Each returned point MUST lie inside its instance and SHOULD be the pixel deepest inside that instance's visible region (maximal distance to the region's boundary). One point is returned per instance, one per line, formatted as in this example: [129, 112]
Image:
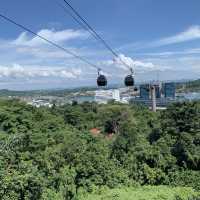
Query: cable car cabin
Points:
[101, 81]
[135, 89]
[129, 81]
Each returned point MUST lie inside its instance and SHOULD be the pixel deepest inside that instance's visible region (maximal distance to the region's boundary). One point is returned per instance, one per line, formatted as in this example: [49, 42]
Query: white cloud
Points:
[20, 72]
[190, 51]
[42, 64]
[44, 53]
[55, 36]
[76, 71]
[135, 64]
[29, 50]
[192, 33]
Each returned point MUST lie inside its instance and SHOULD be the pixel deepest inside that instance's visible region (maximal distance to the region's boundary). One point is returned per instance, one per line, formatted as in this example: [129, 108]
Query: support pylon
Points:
[153, 97]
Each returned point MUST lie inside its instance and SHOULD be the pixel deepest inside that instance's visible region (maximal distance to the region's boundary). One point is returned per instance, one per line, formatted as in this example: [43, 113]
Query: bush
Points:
[186, 178]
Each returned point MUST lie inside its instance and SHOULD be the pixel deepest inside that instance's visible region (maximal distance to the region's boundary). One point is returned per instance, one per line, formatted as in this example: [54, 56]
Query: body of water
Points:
[81, 99]
[189, 96]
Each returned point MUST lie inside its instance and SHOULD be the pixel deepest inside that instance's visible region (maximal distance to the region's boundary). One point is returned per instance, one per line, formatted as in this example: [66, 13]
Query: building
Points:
[103, 96]
[145, 91]
[116, 95]
[158, 91]
[170, 90]
[40, 103]
[164, 93]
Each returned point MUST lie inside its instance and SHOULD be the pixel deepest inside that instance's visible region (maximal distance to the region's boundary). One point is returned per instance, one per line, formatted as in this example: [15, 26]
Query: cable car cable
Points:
[97, 36]
[48, 41]
[101, 79]
[74, 17]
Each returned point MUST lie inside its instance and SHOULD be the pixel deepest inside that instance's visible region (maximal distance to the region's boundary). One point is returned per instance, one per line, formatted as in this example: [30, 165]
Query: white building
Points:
[40, 103]
[103, 96]
[116, 95]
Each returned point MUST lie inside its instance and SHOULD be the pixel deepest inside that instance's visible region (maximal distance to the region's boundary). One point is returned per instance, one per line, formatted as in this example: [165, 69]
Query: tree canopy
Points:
[50, 153]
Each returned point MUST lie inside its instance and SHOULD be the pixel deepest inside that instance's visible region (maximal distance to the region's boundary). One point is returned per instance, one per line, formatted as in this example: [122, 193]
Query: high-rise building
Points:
[170, 90]
[145, 91]
[158, 91]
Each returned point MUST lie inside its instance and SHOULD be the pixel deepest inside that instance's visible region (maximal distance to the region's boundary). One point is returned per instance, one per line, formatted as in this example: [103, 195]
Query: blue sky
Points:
[154, 36]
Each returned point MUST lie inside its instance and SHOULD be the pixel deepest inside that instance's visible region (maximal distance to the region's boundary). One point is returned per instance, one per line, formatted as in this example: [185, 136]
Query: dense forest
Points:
[64, 153]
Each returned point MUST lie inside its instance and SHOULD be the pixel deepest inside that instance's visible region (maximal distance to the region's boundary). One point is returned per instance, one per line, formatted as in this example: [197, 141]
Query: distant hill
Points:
[190, 86]
[57, 92]
[53, 92]
[182, 86]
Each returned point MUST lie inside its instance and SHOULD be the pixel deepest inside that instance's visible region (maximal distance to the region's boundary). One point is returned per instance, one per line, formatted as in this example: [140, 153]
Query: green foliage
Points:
[144, 193]
[51, 154]
[185, 178]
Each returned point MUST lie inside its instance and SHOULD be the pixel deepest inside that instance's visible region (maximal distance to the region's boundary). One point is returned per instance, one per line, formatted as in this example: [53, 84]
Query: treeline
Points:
[49, 92]
[61, 152]
[190, 86]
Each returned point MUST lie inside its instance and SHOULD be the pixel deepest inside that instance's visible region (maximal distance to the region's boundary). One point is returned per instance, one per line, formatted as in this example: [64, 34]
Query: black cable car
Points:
[129, 80]
[135, 89]
[101, 79]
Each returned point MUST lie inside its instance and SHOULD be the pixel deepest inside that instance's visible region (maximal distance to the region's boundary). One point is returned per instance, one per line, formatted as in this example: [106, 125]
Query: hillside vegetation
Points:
[144, 193]
[53, 154]
[190, 86]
